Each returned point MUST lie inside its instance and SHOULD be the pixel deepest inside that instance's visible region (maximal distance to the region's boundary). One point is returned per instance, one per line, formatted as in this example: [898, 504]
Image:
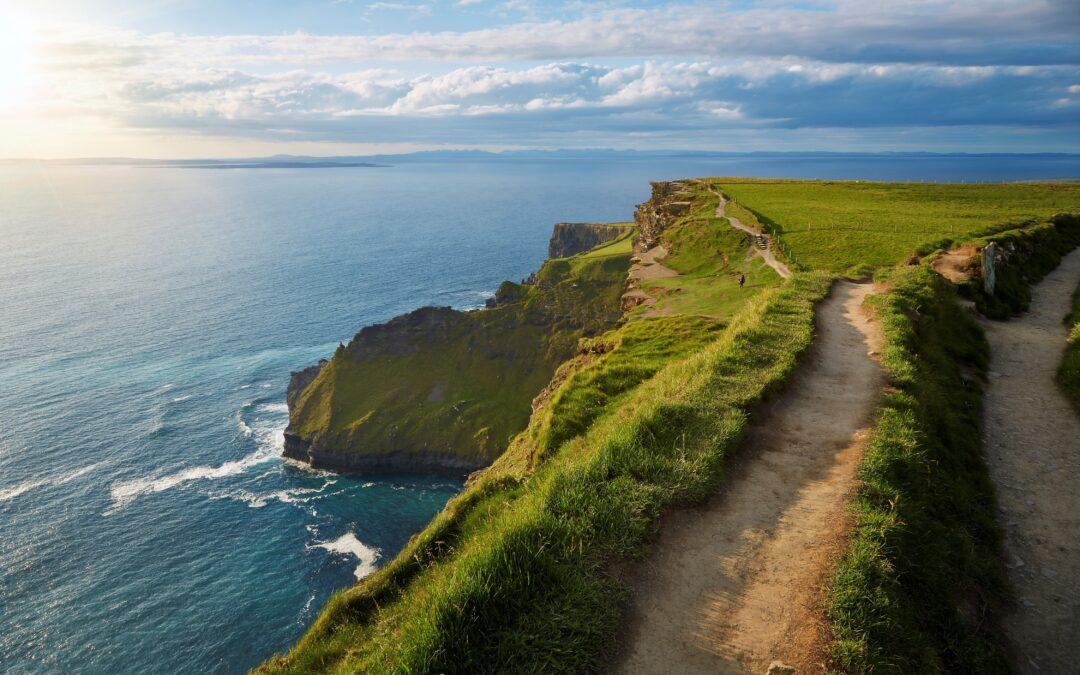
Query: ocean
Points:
[149, 318]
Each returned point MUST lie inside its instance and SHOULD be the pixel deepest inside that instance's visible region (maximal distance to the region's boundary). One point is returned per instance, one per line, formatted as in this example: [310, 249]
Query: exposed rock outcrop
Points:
[377, 463]
[569, 239]
[403, 334]
[300, 379]
[669, 201]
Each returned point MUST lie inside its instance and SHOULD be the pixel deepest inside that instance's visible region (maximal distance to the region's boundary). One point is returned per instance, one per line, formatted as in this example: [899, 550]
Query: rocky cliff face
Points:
[669, 201]
[440, 390]
[569, 239]
[300, 379]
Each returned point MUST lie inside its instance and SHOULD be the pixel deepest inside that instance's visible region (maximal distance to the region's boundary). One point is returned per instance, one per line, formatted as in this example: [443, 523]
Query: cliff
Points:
[440, 390]
[569, 239]
[670, 201]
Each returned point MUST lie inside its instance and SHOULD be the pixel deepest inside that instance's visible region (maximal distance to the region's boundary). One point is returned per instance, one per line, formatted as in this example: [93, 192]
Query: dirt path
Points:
[766, 253]
[1031, 440]
[738, 583]
[645, 265]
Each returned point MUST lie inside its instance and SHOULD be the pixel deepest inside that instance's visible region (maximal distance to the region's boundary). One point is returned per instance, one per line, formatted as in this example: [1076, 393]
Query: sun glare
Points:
[16, 60]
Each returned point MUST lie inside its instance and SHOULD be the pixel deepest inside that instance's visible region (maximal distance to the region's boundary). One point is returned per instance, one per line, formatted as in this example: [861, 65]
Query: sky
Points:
[230, 78]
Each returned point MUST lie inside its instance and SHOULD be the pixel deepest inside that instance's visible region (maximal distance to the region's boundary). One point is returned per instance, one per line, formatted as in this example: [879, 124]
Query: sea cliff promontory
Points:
[439, 390]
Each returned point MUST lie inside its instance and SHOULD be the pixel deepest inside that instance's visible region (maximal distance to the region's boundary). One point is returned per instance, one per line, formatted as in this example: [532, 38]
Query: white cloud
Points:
[979, 32]
[682, 70]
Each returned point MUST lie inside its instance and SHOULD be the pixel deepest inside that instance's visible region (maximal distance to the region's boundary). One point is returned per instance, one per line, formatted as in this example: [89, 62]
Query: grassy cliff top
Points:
[836, 225]
[441, 382]
[515, 574]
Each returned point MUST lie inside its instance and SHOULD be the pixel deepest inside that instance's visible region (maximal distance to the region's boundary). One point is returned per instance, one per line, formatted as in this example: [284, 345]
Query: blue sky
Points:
[176, 78]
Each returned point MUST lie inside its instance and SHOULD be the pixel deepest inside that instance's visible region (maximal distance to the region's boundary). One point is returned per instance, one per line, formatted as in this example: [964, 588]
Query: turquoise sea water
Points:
[149, 319]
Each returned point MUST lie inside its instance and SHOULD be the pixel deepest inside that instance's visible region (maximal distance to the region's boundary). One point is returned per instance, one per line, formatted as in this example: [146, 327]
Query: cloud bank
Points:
[673, 74]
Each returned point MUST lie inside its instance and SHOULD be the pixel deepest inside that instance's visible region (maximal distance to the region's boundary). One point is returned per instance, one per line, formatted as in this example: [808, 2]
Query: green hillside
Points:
[458, 385]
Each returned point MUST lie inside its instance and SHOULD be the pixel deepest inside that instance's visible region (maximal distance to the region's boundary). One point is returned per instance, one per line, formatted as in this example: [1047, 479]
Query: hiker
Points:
[742, 280]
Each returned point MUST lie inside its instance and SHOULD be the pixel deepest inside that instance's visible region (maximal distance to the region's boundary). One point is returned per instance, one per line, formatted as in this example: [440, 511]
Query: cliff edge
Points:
[569, 239]
[442, 390]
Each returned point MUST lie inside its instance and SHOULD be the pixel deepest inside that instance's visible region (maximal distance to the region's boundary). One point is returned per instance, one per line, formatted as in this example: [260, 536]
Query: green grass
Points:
[836, 226]
[709, 255]
[1069, 372]
[465, 390]
[630, 355]
[917, 588]
[513, 576]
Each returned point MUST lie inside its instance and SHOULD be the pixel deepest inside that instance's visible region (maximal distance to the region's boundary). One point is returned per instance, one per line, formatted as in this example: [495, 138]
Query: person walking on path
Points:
[742, 280]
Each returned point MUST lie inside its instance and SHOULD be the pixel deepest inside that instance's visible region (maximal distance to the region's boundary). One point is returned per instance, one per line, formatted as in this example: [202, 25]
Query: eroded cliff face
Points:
[669, 201]
[300, 379]
[569, 239]
[440, 390]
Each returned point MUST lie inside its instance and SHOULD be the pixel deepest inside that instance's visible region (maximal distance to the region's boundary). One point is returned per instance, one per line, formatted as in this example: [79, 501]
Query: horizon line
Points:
[519, 152]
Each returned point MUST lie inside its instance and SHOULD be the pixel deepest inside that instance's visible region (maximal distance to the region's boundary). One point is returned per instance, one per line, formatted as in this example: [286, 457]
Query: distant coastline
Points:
[270, 165]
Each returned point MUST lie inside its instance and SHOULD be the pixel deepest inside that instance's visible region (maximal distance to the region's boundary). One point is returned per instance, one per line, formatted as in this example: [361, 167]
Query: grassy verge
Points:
[916, 588]
[513, 575]
[1031, 253]
[1069, 371]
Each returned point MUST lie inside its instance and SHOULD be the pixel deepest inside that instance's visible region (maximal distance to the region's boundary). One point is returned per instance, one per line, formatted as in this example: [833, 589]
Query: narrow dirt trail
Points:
[1031, 440]
[767, 253]
[738, 583]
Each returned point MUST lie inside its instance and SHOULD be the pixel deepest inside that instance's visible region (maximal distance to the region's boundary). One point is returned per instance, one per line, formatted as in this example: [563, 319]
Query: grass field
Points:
[709, 256]
[837, 226]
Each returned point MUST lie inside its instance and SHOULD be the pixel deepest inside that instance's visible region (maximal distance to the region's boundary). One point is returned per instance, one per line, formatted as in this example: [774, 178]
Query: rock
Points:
[669, 201]
[780, 668]
[633, 298]
[300, 379]
[989, 266]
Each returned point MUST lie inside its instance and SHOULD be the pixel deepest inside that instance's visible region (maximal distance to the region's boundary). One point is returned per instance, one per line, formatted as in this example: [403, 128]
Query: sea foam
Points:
[348, 544]
[60, 479]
